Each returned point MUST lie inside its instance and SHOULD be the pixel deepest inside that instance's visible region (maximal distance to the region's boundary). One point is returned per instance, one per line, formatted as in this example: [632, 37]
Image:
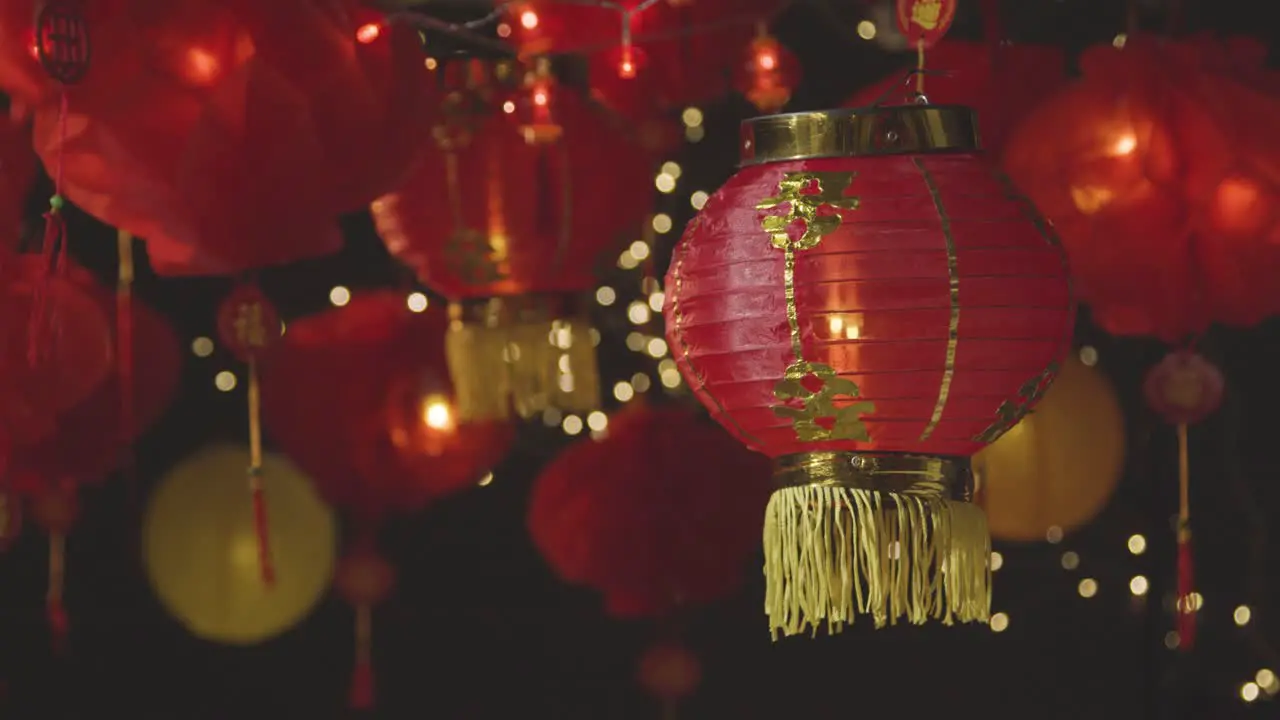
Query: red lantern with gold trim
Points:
[509, 218]
[869, 303]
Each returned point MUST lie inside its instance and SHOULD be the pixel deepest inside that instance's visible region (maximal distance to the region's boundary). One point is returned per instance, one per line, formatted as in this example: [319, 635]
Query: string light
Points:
[997, 561]
[339, 296]
[486, 480]
[638, 313]
[597, 421]
[225, 381]
[999, 622]
[657, 347]
[623, 391]
[656, 299]
[694, 134]
[1053, 535]
[202, 347]
[665, 183]
[1087, 588]
[417, 302]
[671, 168]
[551, 417]
[698, 199]
[1089, 355]
[641, 382]
[1138, 585]
[635, 341]
[1070, 560]
[605, 295]
[691, 117]
[867, 30]
[639, 250]
[431, 63]
[1137, 544]
[1242, 615]
[1249, 692]
[572, 425]
[661, 223]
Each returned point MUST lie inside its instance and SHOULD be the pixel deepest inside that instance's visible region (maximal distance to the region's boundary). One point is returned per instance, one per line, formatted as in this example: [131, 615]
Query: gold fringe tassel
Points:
[832, 553]
[526, 366]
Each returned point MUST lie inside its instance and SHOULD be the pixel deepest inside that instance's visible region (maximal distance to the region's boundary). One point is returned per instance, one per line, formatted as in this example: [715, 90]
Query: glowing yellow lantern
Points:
[1057, 467]
[201, 550]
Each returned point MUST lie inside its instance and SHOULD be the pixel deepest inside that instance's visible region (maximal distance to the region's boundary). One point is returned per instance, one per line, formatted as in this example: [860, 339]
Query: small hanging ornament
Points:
[670, 672]
[924, 22]
[247, 325]
[364, 579]
[537, 122]
[56, 511]
[1183, 389]
[10, 518]
[768, 73]
[62, 40]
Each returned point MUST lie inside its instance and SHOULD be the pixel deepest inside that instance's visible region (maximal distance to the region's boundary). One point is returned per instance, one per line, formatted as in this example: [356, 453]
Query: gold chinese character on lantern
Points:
[806, 193]
[819, 417]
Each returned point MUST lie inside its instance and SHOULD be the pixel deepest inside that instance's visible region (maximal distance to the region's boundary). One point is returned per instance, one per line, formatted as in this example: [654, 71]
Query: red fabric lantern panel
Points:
[1001, 82]
[359, 398]
[87, 444]
[659, 513]
[494, 214]
[17, 171]
[869, 316]
[58, 345]
[1157, 168]
[262, 123]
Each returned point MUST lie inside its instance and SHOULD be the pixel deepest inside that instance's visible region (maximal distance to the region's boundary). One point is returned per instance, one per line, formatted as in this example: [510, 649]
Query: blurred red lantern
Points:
[57, 345]
[497, 221]
[1002, 82]
[868, 303]
[263, 122]
[768, 73]
[1156, 169]
[86, 444]
[369, 451]
[364, 579]
[660, 513]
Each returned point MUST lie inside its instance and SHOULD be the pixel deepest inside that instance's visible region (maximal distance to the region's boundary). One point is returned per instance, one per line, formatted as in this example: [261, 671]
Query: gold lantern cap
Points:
[948, 478]
[859, 132]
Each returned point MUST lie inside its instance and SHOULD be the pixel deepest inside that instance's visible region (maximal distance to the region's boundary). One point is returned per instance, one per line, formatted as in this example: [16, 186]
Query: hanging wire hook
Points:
[908, 78]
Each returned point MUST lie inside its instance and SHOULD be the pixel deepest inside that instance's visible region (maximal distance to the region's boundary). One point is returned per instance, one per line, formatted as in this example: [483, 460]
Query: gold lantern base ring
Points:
[524, 353]
[890, 536]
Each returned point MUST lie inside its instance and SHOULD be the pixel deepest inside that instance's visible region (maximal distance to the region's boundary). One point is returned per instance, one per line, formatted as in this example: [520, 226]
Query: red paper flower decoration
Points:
[1158, 169]
[661, 512]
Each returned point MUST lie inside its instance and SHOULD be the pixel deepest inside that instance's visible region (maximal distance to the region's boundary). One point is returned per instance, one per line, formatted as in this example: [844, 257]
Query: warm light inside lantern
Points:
[436, 413]
[368, 32]
[528, 19]
[766, 58]
[1125, 144]
[1240, 207]
[627, 64]
[201, 67]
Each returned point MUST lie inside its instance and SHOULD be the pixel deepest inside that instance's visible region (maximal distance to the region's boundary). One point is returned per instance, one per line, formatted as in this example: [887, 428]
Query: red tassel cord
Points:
[361, 695]
[1186, 606]
[55, 611]
[124, 360]
[54, 250]
[261, 518]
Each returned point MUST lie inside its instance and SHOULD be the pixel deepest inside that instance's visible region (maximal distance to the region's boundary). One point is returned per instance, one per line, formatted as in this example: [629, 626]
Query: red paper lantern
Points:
[1184, 388]
[1156, 168]
[497, 221]
[659, 513]
[57, 346]
[768, 74]
[229, 134]
[357, 362]
[88, 441]
[1002, 82]
[669, 671]
[869, 303]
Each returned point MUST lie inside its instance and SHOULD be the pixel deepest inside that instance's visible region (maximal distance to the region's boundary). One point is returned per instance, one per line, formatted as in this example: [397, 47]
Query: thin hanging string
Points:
[670, 709]
[361, 694]
[53, 249]
[920, 67]
[1186, 608]
[124, 361]
[55, 611]
[261, 521]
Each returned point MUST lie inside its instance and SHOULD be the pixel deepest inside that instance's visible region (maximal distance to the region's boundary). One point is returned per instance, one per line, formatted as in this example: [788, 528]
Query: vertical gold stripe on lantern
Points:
[953, 280]
[804, 194]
